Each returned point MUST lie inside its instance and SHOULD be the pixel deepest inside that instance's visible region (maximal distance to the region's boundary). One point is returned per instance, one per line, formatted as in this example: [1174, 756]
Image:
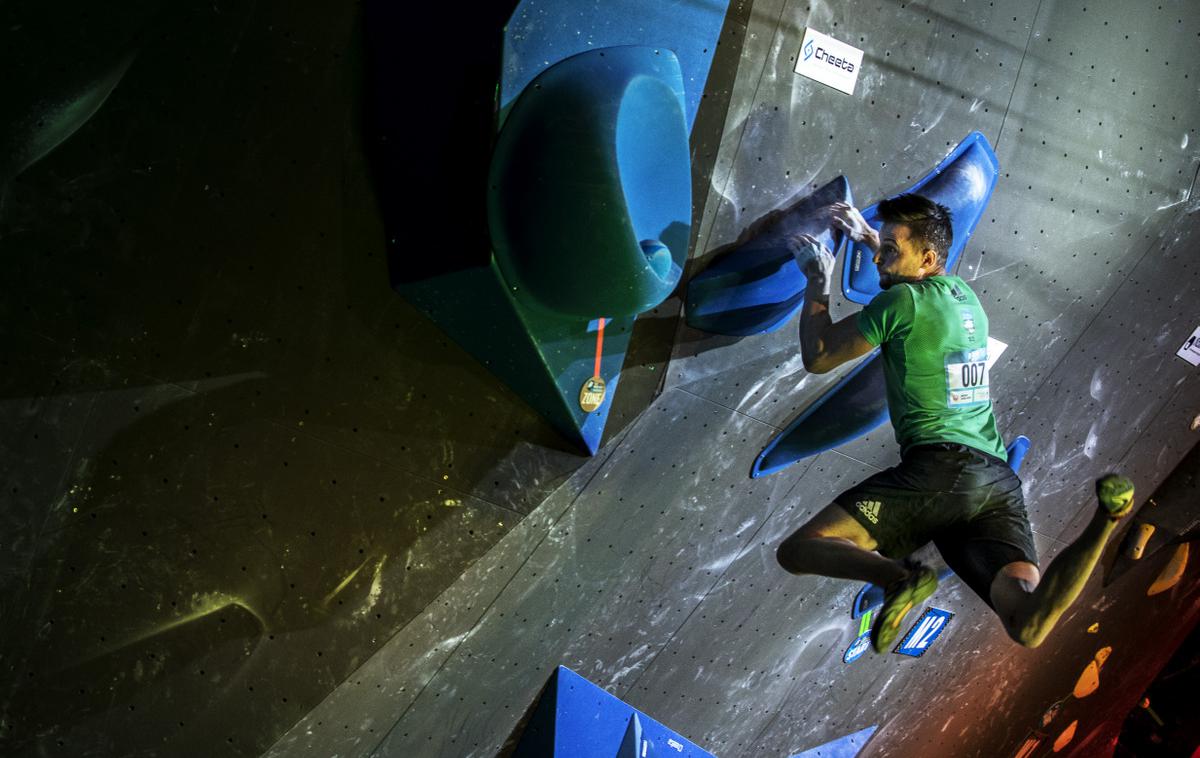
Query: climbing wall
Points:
[658, 579]
[256, 504]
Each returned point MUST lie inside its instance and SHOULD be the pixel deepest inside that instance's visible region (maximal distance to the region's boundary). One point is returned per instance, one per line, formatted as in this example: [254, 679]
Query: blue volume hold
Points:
[843, 747]
[755, 286]
[543, 32]
[855, 405]
[963, 182]
[1016, 453]
[576, 719]
[591, 167]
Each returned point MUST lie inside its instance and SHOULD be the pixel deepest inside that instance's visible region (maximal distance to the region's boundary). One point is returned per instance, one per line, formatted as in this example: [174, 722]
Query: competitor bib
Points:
[967, 378]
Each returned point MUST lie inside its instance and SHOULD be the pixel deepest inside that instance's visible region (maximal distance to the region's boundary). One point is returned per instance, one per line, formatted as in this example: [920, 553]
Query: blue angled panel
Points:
[843, 747]
[963, 182]
[589, 214]
[756, 286]
[576, 719]
[856, 405]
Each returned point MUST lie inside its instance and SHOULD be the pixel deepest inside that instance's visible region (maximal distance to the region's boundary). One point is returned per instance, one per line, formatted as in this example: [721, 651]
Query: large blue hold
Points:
[543, 32]
[856, 405]
[756, 286]
[576, 719]
[590, 190]
[963, 182]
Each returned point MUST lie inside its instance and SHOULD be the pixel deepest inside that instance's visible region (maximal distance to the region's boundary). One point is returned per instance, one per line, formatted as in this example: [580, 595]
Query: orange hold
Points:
[1065, 738]
[1172, 572]
[1089, 680]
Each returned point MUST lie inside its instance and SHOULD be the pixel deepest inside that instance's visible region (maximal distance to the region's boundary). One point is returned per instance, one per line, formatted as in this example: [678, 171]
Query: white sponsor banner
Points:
[1190, 351]
[829, 61]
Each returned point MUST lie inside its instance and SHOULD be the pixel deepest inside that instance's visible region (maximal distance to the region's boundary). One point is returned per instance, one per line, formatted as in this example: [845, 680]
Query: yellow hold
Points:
[1139, 538]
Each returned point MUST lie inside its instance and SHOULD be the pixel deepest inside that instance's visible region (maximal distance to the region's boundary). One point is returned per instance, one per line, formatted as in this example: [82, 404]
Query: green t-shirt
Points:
[934, 339]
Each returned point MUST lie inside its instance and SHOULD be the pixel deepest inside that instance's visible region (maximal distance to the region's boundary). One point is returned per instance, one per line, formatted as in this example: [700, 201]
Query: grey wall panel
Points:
[769, 385]
[1097, 148]
[1120, 372]
[801, 625]
[345, 360]
[1168, 437]
[213, 231]
[49, 412]
[44, 415]
[877, 449]
[361, 713]
[762, 19]
[645, 513]
[1161, 444]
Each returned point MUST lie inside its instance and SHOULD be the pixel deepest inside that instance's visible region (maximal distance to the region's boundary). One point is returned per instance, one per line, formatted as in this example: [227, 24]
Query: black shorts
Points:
[968, 503]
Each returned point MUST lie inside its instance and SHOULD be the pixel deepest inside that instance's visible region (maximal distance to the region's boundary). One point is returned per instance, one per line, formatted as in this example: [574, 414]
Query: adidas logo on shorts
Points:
[870, 509]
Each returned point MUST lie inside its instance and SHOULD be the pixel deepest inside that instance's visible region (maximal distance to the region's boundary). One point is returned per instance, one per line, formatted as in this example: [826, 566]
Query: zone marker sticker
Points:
[922, 634]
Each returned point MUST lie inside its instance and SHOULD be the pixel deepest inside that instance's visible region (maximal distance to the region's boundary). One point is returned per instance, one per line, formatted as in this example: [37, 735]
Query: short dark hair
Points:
[928, 222]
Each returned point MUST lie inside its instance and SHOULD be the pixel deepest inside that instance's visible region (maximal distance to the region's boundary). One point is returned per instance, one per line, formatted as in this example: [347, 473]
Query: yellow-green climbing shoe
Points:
[1115, 493]
[898, 599]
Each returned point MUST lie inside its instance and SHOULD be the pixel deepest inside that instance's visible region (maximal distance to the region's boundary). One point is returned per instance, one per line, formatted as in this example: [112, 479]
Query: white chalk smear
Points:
[1089, 447]
[1097, 384]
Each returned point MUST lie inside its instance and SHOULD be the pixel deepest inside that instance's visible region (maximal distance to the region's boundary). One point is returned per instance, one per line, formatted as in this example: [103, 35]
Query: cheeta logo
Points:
[823, 55]
[870, 509]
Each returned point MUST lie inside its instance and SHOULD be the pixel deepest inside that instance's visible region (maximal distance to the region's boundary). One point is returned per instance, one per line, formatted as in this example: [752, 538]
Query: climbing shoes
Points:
[899, 598]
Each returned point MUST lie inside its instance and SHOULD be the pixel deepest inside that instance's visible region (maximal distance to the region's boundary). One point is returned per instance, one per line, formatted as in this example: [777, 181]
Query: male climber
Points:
[953, 485]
